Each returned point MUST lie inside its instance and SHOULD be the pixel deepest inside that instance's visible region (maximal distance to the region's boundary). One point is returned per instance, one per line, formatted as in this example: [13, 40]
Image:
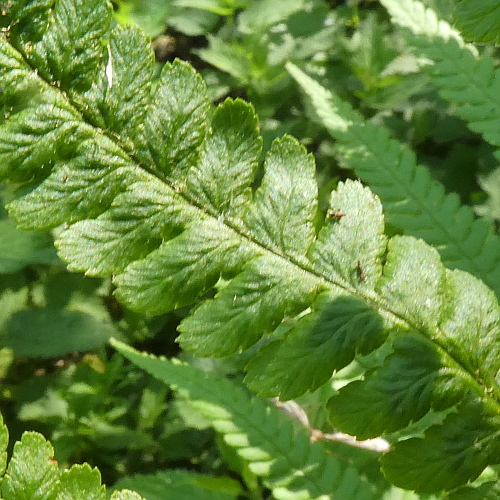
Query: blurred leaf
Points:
[21, 248]
[182, 485]
[53, 332]
[150, 15]
[219, 7]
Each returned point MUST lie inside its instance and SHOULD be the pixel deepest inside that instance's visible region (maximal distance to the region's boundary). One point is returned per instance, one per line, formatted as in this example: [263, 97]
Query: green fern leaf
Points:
[149, 205]
[412, 200]
[33, 474]
[81, 482]
[463, 78]
[263, 436]
[414, 15]
[480, 22]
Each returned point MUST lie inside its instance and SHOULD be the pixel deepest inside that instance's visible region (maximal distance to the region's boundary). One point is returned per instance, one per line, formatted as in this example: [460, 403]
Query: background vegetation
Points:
[59, 374]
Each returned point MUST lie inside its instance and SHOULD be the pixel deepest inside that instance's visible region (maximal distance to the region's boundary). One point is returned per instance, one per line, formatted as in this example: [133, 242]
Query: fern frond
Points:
[412, 200]
[414, 15]
[469, 81]
[165, 205]
[32, 473]
[481, 22]
[262, 435]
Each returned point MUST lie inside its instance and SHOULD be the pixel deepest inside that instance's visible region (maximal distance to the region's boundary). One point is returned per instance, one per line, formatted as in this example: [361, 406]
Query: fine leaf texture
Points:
[158, 189]
[412, 200]
[479, 21]
[289, 464]
[81, 482]
[32, 473]
[469, 81]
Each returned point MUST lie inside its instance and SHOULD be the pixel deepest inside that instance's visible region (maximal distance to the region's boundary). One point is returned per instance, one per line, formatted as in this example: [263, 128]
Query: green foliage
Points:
[479, 21]
[464, 78]
[262, 436]
[413, 201]
[182, 485]
[139, 177]
[33, 474]
[19, 248]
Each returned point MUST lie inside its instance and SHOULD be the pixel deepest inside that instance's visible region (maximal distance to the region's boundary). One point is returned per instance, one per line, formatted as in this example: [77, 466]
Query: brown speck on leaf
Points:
[359, 270]
[337, 214]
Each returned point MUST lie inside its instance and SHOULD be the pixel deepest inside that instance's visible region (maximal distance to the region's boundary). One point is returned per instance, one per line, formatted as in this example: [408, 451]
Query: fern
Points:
[154, 187]
[289, 464]
[32, 473]
[479, 21]
[412, 200]
[465, 79]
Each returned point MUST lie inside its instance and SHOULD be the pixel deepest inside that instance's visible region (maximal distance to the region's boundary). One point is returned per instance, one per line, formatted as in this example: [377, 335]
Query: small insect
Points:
[337, 214]
[359, 270]
[65, 178]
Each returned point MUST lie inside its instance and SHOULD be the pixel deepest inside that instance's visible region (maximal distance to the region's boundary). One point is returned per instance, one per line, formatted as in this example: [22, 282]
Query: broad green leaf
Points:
[27, 18]
[94, 173]
[33, 139]
[486, 491]
[50, 332]
[402, 390]
[347, 247]
[406, 259]
[19, 248]
[119, 99]
[32, 473]
[140, 215]
[128, 231]
[456, 449]
[85, 22]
